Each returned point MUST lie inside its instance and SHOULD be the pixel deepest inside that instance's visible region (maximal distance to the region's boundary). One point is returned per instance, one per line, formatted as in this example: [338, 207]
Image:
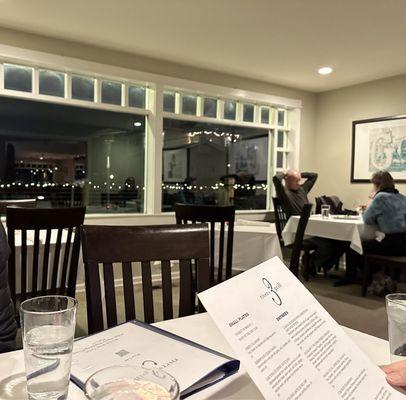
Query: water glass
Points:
[396, 309]
[325, 210]
[131, 383]
[48, 329]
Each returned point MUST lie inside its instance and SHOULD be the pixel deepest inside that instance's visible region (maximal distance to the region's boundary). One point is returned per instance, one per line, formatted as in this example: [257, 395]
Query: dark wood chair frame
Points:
[25, 219]
[186, 213]
[22, 203]
[113, 245]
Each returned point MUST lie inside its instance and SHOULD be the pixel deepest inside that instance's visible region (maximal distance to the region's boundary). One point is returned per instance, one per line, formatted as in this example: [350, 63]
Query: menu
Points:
[137, 343]
[291, 347]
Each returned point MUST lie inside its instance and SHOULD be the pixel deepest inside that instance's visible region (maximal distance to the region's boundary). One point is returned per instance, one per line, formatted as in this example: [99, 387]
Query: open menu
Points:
[135, 343]
[291, 347]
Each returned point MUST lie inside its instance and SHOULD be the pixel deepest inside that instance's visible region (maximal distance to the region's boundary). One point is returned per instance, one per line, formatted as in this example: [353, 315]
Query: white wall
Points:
[336, 110]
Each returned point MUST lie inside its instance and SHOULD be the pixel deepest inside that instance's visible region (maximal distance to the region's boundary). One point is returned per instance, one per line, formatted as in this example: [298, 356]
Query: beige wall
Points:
[96, 54]
[336, 110]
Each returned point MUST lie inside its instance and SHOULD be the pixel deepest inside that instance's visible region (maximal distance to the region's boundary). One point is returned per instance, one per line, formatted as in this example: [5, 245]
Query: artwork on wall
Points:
[379, 144]
[175, 165]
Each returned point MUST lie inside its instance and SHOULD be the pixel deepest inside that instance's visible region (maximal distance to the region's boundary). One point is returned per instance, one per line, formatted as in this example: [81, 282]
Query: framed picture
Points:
[175, 165]
[379, 144]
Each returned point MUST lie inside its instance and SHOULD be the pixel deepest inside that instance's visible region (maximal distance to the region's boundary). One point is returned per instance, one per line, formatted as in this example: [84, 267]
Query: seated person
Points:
[293, 195]
[388, 212]
[8, 324]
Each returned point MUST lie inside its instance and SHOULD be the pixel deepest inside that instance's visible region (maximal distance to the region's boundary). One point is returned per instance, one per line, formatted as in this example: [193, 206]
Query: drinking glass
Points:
[48, 328]
[396, 309]
[131, 383]
[325, 210]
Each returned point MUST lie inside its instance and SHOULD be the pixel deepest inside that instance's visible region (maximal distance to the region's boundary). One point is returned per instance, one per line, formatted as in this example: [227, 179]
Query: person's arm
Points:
[281, 194]
[373, 211]
[396, 373]
[311, 178]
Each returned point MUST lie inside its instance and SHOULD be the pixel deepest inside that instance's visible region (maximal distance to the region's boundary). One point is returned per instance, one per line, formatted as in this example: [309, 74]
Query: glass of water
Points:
[325, 210]
[396, 309]
[48, 329]
[131, 383]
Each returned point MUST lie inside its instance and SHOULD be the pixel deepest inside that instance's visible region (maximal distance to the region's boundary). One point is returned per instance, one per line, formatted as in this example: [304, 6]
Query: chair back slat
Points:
[167, 289]
[110, 294]
[145, 244]
[23, 276]
[60, 278]
[35, 263]
[212, 214]
[280, 218]
[221, 250]
[147, 294]
[186, 288]
[297, 245]
[128, 288]
[22, 203]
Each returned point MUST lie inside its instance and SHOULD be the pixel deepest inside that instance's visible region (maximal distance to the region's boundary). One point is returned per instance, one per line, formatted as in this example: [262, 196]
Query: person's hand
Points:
[396, 373]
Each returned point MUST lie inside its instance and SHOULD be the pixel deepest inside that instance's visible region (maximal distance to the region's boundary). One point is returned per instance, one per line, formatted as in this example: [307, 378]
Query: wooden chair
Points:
[23, 203]
[56, 276]
[299, 244]
[186, 213]
[108, 245]
[281, 219]
[384, 261]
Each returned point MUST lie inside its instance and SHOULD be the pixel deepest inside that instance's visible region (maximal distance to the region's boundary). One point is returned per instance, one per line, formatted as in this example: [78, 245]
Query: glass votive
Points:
[325, 210]
[131, 383]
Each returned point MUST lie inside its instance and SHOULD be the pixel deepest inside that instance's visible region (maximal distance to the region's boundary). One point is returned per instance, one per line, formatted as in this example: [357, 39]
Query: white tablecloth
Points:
[350, 230]
[253, 244]
[198, 328]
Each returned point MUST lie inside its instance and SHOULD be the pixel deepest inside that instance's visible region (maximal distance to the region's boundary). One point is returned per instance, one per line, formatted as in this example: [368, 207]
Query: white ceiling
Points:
[279, 41]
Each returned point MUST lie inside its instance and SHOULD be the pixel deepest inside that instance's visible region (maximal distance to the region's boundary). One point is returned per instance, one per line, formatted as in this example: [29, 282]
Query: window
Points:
[280, 160]
[136, 96]
[248, 113]
[230, 109]
[17, 77]
[214, 164]
[189, 104]
[51, 83]
[210, 107]
[281, 117]
[71, 156]
[82, 88]
[280, 140]
[169, 101]
[111, 92]
[264, 115]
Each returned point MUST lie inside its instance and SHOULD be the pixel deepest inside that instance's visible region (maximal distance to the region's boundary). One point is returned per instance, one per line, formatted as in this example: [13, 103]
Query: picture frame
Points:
[378, 144]
[175, 165]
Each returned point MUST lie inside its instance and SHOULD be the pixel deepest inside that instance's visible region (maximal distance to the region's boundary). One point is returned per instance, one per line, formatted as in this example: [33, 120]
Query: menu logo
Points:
[271, 292]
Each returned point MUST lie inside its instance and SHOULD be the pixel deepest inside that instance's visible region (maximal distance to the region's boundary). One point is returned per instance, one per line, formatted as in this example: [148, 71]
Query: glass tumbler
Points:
[396, 309]
[48, 329]
[131, 383]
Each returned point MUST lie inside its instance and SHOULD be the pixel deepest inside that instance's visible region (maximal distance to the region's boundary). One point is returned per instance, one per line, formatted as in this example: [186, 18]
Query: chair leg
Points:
[305, 262]
[365, 276]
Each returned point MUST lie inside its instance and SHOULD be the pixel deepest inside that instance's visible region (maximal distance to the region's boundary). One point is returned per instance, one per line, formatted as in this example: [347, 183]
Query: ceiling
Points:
[279, 41]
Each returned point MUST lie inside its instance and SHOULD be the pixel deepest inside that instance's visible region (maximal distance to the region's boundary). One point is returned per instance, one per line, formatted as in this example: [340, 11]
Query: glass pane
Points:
[111, 92]
[279, 159]
[230, 109]
[210, 108]
[51, 83]
[214, 164]
[280, 142]
[264, 115]
[248, 113]
[82, 88]
[136, 96]
[72, 156]
[189, 104]
[281, 117]
[169, 101]
[17, 77]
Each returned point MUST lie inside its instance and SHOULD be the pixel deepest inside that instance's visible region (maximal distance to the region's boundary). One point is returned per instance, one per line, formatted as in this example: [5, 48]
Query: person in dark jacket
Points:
[8, 324]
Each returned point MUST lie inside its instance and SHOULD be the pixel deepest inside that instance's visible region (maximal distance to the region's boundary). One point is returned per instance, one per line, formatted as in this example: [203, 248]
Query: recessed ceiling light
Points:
[325, 70]
[137, 123]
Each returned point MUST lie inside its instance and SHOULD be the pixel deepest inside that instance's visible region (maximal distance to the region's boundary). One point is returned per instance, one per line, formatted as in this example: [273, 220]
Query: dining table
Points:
[349, 228]
[199, 328]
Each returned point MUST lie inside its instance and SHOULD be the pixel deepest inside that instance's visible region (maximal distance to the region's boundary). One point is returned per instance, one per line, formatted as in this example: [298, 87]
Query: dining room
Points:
[175, 171]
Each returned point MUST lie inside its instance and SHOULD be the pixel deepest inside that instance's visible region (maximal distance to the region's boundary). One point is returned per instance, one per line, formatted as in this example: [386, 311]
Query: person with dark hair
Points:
[388, 212]
[8, 324]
